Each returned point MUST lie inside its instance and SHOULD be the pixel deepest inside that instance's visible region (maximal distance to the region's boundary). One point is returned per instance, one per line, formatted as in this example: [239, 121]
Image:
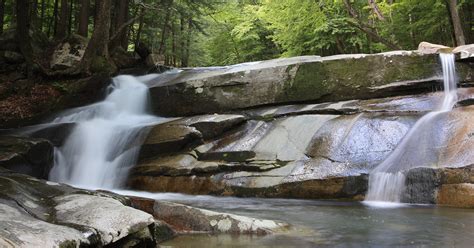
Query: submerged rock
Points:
[298, 79]
[185, 219]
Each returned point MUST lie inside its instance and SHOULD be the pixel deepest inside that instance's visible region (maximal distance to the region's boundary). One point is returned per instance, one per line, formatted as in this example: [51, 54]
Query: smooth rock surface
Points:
[185, 219]
[314, 151]
[37, 213]
[298, 79]
[456, 195]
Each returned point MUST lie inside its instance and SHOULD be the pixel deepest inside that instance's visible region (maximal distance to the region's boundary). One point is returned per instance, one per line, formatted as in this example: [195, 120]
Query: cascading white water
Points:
[387, 180]
[106, 140]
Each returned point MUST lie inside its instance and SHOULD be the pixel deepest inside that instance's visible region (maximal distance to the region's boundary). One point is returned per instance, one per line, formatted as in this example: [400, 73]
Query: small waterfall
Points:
[106, 140]
[387, 180]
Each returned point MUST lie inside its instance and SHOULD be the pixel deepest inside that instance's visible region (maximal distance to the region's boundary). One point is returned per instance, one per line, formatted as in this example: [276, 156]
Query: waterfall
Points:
[387, 180]
[106, 138]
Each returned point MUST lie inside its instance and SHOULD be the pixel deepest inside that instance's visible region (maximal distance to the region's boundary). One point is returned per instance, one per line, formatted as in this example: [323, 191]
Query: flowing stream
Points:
[387, 180]
[106, 138]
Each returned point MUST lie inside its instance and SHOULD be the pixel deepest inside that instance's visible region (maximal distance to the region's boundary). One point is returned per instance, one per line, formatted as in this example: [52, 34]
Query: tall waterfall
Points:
[106, 138]
[387, 180]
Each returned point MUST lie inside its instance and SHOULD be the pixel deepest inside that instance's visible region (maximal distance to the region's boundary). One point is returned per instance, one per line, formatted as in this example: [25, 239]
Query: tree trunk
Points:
[71, 11]
[120, 32]
[22, 32]
[139, 30]
[43, 9]
[182, 39]
[188, 43]
[166, 26]
[456, 21]
[2, 15]
[376, 10]
[63, 23]
[162, 48]
[83, 27]
[97, 49]
[173, 46]
[54, 20]
[33, 19]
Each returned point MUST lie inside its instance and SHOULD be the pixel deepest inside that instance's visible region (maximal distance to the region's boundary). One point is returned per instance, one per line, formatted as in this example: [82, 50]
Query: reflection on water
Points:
[331, 223]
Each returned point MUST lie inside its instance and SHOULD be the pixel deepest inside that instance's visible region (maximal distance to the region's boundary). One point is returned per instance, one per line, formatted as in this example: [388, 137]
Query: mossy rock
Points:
[102, 65]
[299, 79]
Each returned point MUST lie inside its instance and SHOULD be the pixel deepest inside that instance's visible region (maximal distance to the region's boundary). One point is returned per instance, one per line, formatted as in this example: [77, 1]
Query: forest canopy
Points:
[184, 33]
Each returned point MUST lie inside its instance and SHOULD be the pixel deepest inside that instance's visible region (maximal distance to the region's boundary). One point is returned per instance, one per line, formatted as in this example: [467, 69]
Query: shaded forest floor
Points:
[28, 95]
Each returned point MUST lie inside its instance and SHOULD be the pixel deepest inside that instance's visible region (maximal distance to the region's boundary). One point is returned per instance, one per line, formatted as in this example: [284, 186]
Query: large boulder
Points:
[174, 136]
[444, 186]
[69, 53]
[430, 48]
[37, 213]
[31, 156]
[465, 52]
[310, 150]
[298, 79]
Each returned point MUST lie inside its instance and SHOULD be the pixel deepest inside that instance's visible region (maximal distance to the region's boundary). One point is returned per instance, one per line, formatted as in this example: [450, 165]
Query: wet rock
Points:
[302, 156]
[212, 126]
[437, 186]
[456, 195]
[186, 219]
[112, 221]
[466, 52]
[37, 213]
[20, 229]
[166, 138]
[300, 79]
[421, 186]
[174, 136]
[56, 133]
[289, 151]
[30, 156]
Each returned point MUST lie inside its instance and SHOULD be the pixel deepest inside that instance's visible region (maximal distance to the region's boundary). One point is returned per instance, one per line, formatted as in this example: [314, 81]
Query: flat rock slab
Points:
[38, 213]
[189, 132]
[186, 219]
[298, 79]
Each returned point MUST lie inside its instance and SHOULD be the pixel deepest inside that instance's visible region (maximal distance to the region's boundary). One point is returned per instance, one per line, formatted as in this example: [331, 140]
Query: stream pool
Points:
[332, 223]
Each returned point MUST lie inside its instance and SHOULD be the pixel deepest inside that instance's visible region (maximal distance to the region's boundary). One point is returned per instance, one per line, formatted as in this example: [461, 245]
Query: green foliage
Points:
[221, 32]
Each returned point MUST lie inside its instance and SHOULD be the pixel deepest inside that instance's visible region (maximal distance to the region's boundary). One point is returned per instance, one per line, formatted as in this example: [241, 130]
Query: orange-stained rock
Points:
[456, 195]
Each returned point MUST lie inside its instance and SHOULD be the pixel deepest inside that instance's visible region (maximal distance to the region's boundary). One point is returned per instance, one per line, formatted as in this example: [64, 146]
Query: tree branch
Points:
[366, 29]
[123, 26]
[376, 10]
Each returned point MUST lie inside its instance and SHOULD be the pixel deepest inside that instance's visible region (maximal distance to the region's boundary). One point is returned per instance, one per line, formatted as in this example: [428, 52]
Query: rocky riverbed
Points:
[305, 127]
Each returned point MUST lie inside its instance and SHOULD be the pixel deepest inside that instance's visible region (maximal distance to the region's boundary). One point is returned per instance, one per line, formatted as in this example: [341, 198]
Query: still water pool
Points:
[334, 224]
